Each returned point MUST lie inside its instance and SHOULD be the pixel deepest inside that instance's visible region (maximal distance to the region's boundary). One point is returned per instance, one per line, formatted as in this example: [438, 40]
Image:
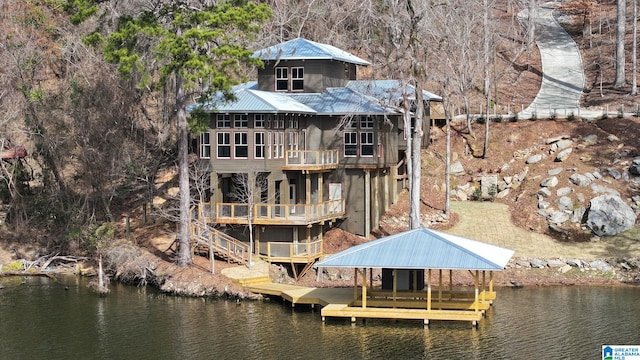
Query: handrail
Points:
[306, 213]
[305, 252]
[321, 158]
[220, 242]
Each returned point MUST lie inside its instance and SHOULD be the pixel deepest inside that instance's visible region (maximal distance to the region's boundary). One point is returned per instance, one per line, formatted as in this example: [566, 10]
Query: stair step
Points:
[252, 281]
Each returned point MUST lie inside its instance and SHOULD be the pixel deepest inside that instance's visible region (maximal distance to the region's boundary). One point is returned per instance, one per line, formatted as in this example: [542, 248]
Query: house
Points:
[321, 148]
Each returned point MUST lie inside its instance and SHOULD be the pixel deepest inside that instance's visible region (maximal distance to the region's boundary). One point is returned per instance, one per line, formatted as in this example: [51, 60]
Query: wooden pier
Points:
[347, 303]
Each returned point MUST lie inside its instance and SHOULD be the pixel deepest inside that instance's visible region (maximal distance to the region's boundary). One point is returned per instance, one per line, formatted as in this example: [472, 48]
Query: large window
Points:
[282, 79]
[366, 144]
[240, 121]
[223, 121]
[259, 121]
[224, 145]
[293, 144]
[278, 145]
[205, 145]
[259, 145]
[289, 79]
[240, 145]
[350, 144]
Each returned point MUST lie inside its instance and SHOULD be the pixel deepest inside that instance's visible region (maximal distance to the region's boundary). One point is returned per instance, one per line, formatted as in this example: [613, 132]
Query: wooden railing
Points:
[302, 252]
[220, 243]
[266, 214]
[311, 159]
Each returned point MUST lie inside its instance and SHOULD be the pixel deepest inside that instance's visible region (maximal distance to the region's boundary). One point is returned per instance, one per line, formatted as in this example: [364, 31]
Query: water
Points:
[42, 319]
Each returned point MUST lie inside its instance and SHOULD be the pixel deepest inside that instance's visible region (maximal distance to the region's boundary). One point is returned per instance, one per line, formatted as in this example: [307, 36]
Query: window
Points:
[282, 79]
[366, 122]
[224, 145]
[240, 145]
[289, 79]
[205, 146]
[297, 79]
[240, 121]
[259, 121]
[351, 124]
[293, 122]
[223, 121]
[278, 145]
[350, 144]
[293, 144]
[366, 144]
[278, 121]
[259, 145]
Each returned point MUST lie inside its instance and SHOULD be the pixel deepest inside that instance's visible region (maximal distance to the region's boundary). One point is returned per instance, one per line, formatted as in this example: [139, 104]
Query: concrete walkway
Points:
[563, 74]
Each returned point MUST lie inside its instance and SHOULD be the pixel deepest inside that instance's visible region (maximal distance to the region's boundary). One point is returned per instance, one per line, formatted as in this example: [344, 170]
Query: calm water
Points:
[42, 319]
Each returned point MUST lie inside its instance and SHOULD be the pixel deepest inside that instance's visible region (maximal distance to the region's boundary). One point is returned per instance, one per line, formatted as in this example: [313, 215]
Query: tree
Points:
[194, 47]
[247, 189]
[620, 80]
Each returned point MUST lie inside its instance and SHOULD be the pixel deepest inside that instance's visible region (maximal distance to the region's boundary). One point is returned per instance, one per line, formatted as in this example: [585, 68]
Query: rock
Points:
[543, 204]
[564, 191]
[599, 189]
[609, 215]
[489, 186]
[613, 138]
[537, 263]
[457, 168]
[600, 265]
[565, 268]
[564, 144]
[590, 139]
[523, 263]
[574, 262]
[614, 173]
[522, 174]
[565, 203]
[634, 168]
[578, 214]
[563, 155]
[579, 179]
[545, 192]
[534, 158]
[554, 263]
[502, 194]
[558, 217]
[555, 171]
[549, 182]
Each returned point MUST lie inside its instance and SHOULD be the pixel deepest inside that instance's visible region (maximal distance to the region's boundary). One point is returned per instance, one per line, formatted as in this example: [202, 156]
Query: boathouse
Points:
[409, 262]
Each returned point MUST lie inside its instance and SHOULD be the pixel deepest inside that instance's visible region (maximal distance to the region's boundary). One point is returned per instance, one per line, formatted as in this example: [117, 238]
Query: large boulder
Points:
[609, 215]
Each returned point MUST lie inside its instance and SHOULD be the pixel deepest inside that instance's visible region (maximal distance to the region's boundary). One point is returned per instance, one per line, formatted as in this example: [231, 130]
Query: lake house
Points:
[306, 147]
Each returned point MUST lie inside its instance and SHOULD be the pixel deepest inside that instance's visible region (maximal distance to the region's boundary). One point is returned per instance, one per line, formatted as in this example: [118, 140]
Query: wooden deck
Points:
[345, 303]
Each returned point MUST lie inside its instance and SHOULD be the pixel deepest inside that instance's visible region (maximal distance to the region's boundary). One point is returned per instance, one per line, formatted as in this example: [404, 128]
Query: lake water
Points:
[43, 319]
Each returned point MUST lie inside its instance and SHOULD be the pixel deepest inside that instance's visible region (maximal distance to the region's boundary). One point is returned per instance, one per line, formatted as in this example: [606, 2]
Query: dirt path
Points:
[496, 228]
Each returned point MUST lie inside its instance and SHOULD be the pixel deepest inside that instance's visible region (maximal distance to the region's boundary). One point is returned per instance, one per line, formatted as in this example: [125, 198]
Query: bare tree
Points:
[634, 50]
[248, 188]
[621, 19]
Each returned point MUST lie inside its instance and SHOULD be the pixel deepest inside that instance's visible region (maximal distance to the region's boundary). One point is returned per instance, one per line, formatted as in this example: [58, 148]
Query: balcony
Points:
[279, 214]
[311, 160]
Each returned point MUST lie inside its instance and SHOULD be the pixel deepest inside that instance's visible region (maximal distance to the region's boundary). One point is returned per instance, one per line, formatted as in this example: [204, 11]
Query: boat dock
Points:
[348, 303]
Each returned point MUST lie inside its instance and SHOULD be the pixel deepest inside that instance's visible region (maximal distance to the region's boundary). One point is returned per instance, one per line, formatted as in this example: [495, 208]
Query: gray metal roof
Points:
[340, 101]
[303, 49]
[389, 91]
[422, 249]
[249, 100]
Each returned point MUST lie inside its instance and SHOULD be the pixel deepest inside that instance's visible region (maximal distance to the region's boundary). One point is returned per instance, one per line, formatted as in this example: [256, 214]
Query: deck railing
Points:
[220, 243]
[265, 214]
[293, 252]
[314, 159]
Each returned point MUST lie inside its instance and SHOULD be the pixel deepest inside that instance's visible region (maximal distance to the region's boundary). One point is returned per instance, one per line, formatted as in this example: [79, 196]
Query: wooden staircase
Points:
[205, 239]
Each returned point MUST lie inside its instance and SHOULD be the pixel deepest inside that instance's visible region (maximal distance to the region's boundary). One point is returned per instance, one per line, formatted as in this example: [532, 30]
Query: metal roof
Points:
[388, 90]
[303, 49]
[422, 249]
[249, 100]
[340, 101]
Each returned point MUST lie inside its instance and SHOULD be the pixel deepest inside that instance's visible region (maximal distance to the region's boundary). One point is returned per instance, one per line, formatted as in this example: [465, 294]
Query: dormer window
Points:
[289, 79]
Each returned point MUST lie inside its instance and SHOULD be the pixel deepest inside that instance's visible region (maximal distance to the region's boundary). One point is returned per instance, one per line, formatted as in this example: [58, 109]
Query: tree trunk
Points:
[414, 212]
[634, 57]
[447, 173]
[184, 248]
[620, 32]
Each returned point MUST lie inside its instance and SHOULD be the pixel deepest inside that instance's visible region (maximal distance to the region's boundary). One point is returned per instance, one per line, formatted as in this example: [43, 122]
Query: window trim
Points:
[239, 144]
[223, 121]
[259, 145]
[223, 145]
[351, 144]
[204, 145]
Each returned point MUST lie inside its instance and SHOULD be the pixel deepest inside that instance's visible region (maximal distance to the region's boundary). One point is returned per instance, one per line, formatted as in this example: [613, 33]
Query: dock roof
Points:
[422, 249]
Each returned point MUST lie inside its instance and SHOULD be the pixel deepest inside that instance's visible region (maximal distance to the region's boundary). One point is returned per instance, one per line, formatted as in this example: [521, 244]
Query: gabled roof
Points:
[303, 49]
[422, 249]
[340, 101]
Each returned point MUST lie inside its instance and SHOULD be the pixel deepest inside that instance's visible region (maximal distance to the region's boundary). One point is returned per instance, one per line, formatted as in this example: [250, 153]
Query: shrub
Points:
[480, 120]
[513, 117]
[534, 116]
[571, 116]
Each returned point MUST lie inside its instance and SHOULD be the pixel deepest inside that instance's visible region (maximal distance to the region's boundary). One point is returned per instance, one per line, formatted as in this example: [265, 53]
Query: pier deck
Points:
[345, 303]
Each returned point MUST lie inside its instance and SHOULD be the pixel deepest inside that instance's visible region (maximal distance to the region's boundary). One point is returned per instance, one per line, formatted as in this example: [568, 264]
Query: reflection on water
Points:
[42, 319]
